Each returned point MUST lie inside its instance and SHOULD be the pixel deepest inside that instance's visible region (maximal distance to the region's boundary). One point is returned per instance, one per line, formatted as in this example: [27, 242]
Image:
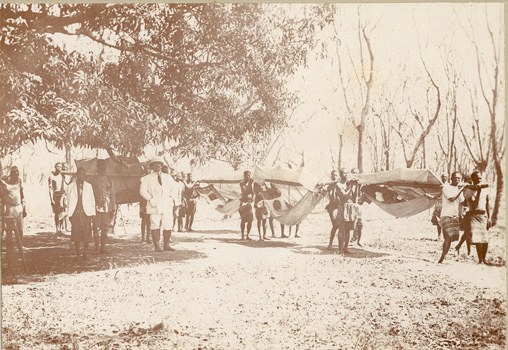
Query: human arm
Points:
[143, 189]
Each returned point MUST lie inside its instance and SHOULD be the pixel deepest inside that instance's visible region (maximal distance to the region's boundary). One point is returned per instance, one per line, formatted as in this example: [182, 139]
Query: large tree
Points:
[196, 76]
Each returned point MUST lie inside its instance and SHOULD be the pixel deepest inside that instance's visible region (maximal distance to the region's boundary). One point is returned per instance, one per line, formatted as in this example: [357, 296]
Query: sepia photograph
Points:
[253, 176]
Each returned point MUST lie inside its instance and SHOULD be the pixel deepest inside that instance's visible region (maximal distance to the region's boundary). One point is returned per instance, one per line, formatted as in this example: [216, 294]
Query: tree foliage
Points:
[197, 75]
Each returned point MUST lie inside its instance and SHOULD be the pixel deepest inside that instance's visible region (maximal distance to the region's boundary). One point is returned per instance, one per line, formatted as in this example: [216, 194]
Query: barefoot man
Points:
[246, 208]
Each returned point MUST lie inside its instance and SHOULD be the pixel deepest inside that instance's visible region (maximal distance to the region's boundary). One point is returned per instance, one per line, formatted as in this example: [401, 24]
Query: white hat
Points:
[156, 160]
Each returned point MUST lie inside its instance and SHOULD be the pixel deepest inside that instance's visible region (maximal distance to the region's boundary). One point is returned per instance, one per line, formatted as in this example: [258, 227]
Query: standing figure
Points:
[13, 211]
[145, 218]
[105, 204]
[82, 209]
[65, 203]
[451, 199]
[159, 189]
[464, 218]
[57, 186]
[190, 201]
[261, 210]
[436, 215]
[357, 198]
[333, 206]
[340, 215]
[177, 217]
[479, 215]
[246, 207]
[271, 192]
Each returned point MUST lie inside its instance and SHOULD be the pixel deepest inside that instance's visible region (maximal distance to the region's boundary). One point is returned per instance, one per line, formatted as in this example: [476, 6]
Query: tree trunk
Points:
[339, 160]
[499, 191]
[68, 155]
[360, 129]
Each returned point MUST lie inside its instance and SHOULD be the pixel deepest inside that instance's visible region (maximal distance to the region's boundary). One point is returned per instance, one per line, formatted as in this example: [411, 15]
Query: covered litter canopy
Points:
[125, 174]
[401, 192]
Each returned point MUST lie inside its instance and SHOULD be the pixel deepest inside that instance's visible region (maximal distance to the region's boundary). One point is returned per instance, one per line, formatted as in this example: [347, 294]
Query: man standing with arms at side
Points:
[479, 215]
[82, 210]
[159, 190]
[450, 202]
[190, 201]
[246, 208]
[105, 203]
[13, 211]
[180, 188]
[57, 185]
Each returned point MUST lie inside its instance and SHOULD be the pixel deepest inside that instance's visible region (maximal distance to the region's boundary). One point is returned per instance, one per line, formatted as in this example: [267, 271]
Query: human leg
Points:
[446, 246]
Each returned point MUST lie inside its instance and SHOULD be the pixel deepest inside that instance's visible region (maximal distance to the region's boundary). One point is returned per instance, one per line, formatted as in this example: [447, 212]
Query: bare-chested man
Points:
[57, 186]
[246, 207]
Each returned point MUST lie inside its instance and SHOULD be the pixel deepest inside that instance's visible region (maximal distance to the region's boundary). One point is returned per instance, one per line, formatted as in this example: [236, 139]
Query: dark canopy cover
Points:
[125, 174]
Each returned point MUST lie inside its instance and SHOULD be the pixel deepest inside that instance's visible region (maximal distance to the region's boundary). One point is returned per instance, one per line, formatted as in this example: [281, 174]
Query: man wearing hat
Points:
[159, 190]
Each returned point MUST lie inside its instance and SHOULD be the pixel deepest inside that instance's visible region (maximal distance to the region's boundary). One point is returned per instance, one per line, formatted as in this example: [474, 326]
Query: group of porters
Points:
[169, 198]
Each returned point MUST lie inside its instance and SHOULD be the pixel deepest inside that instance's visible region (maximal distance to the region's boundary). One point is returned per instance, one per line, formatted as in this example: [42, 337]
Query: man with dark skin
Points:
[338, 193]
[246, 208]
[105, 204]
[82, 210]
[358, 199]
[177, 217]
[436, 215]
[464, 219]
[145, 218]
[190, 201]
[479, 215]
[57, 185]
[13, 211]
[65, 221]
[451, 198]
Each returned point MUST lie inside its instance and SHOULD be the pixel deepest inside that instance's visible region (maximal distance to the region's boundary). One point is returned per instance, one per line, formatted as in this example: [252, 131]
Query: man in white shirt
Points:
[159, 190]
[450, 202]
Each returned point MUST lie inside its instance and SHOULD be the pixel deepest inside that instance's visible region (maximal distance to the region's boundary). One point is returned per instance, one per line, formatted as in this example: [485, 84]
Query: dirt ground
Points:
[217, 292]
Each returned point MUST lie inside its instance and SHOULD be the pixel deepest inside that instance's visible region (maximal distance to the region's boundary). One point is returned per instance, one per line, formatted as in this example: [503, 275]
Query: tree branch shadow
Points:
[47, 255]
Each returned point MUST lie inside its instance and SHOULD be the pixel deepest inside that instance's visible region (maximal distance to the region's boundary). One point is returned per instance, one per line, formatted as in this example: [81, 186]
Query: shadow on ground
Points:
[323, 250]
[45, 254]
[254, 243]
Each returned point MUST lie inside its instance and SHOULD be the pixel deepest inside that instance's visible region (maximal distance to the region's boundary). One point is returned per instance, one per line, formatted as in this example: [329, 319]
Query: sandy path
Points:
[279, 294]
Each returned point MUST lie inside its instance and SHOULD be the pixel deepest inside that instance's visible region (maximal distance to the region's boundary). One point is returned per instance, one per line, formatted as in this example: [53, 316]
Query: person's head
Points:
[476, 177]
[189, 176]
[343, 173]
[14, 173]
[467, 179]
[334, 175]
[165, 169]
[456, 178]
[246, 175]
[444, 177]
[355, 171]
[65, 167]
[80, 174]
[58, 167]
[101, 166]
[156, 164]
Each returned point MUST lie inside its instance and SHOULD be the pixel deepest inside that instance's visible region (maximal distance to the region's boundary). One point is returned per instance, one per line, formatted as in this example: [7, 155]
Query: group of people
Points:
[463, 206]
[253, 205]
[169, 198]
[90, 208]
[344, 208]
